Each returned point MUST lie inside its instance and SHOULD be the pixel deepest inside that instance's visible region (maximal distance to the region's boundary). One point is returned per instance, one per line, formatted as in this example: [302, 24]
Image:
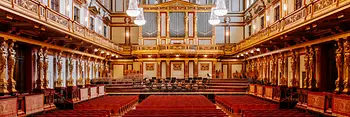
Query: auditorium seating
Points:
[275, 113]
[235, 104]
[174, 106]
[77, 113]
[117, 104]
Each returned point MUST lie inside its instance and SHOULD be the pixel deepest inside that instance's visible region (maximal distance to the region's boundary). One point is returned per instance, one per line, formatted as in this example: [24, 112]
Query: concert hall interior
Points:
[171, 58]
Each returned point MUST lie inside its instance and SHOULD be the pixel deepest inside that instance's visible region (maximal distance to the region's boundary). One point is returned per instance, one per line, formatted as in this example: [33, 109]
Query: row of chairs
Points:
[275, 113]
[77, 113]
[235, 104]
[176, 113]
[117, 104]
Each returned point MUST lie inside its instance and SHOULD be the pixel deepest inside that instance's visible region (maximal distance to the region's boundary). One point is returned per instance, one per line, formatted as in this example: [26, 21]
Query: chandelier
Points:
[133, 9]
[214, 19]
[220, 9]
[140, 19]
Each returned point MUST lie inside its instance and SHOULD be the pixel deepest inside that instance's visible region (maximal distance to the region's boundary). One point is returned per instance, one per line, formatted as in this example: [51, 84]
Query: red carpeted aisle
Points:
[198, 106]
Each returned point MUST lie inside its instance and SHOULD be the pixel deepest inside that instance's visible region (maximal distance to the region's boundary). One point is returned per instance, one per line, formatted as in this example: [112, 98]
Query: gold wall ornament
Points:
[307, 68]
[80, 72]
[347, 64]
[3, 82]
[59, 81]
[283, 80]
[312, 79]
[272, 69]
[95, 70]
[87, 65]
[45, 68]
[70, 66]
[265, 69]
[11, 67]
[106, 73]
[101, 69]
[204, 66]
[293, 63]
[339, 64]
[40, 79]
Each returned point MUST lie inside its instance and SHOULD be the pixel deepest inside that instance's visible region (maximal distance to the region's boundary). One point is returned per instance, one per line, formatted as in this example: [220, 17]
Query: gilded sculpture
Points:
[59, 70]
[293, 63]
[45, 68]
[40, 80]
[80, 67]
[347, 63]
[273, 70]
[87, 64]
[70, 65]
[339, 64]
[283, 80]
[306, 65]
[11, 67]
[3, 82]
[312, 79]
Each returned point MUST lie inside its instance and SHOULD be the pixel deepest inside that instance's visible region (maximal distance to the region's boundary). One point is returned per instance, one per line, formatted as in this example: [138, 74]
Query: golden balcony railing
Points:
[311, 12]
[178, 49]
[41, 13]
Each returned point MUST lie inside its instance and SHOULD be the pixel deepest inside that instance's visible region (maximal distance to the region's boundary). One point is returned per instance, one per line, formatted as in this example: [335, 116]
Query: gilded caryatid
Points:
[80, 67]
[70, 65]
[87, 65]
[312, 79]
[307, 68]
[293, 63]
[59, 70]
[40, 80]
[11, 67]
[3, 82]
[339, 64]
[101, 69]
[282, 63]
[45, 68]
[347, 64]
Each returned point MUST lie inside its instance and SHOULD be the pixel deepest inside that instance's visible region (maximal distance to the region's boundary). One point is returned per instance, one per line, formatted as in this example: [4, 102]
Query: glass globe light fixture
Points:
[133, 9]
[214, 19]
[140, 19]
[220, 9]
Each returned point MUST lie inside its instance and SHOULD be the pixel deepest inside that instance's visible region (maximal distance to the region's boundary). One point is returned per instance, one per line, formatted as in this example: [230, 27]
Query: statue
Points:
[45, 68]
[3, 82]
[80, 66]
[59, 70]
[11, 68]
[339, 64]
[70, 65]
[306, 65]
[40, 81]
[347, 63]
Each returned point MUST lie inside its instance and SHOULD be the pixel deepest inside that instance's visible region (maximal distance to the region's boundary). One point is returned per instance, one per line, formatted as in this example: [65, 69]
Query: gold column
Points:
[307, 68]
[294, 82]
[45, 68]
[186, 69]
[168, 69]
[3, 82]
[283, 80]
[347, 64]
[339, 63]
[40, 81]
[70, 68]
[195, 67]
[11, 67]
[159, 67]
[87, 65]
[312, 80]
[58, 82]
[213, 69]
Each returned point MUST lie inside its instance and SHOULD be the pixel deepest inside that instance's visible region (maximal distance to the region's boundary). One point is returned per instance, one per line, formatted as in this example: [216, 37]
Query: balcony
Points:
[178, 49]
[309, 13]
[40, 13]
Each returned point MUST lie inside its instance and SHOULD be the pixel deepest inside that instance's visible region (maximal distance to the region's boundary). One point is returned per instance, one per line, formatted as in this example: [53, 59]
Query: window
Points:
[76, 14]
[262, 22]
[92, 23]
[249, 30]
[298, 4]
[55, 5]
[105, 31]
[277, 13]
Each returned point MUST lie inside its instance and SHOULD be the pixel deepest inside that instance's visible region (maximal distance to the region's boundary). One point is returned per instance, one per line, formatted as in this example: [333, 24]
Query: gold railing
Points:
[173, 48]
[309, 12]
[39, 11]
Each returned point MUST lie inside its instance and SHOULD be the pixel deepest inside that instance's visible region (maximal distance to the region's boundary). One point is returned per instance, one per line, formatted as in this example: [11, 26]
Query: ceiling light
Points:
[133, 9]
[246, 52]
[237, 56]
[205, 55]
[149, 56]
[242, 54]
[258, 49]
[252, 51]
[96, 50]
[113, 55]
[214, 19]
[107, 53]
[102, 52]
[177, 55]
[140, 19]
[116, 56]
[220, 9]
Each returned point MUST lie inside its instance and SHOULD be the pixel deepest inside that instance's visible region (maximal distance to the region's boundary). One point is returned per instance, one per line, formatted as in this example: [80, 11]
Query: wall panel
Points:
[118, 35]
[118, 71]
